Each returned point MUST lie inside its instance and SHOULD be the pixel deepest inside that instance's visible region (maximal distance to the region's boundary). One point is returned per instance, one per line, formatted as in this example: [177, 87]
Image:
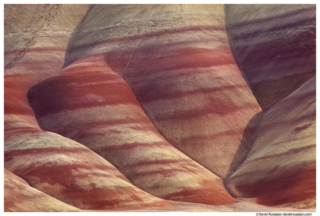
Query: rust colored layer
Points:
[20, 197]
[72, 173]
[292, 185]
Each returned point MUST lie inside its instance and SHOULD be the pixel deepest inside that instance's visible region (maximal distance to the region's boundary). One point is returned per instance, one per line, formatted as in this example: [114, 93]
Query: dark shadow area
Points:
[74, 37]
[275, 54]
[232, 47]
[246, 143]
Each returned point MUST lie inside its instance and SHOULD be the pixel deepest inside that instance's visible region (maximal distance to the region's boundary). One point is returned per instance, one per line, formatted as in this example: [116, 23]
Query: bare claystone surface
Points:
[159, 108]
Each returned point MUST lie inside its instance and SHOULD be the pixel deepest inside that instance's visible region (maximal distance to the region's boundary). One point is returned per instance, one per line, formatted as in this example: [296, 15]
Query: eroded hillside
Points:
[159, 107]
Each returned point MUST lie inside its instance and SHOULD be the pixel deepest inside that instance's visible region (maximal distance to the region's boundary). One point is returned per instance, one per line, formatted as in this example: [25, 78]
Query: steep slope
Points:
[280, 168]
[275, 46]
[93, 105]
[177, 60]
[20, 197]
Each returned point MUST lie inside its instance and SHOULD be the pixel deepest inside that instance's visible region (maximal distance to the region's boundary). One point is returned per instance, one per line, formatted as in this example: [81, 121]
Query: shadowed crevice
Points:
[231, 45]
[246, 143]
[73, 37]
[276, 54]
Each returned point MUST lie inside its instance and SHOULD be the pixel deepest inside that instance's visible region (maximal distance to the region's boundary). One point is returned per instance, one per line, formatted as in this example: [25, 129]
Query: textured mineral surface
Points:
[159, 108]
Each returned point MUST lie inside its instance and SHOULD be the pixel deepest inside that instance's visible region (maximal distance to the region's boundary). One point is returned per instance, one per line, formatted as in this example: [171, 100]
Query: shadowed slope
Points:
[177, 60]
[275, 45]
[280, 168]
[93, 105]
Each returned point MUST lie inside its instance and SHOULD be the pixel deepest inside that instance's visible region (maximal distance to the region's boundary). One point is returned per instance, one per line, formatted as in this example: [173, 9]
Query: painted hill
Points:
[159, 108]
[177, 60]
[94, 106]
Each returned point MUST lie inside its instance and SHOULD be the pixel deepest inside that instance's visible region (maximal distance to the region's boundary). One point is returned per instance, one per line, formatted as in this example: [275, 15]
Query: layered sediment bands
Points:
[280, 168]
[275, 46]
[140, 101]
[68, 171]
[107, 28]
[93, 105]
[55, 165]
[20, 197]
[36, 38]
[177, 60]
